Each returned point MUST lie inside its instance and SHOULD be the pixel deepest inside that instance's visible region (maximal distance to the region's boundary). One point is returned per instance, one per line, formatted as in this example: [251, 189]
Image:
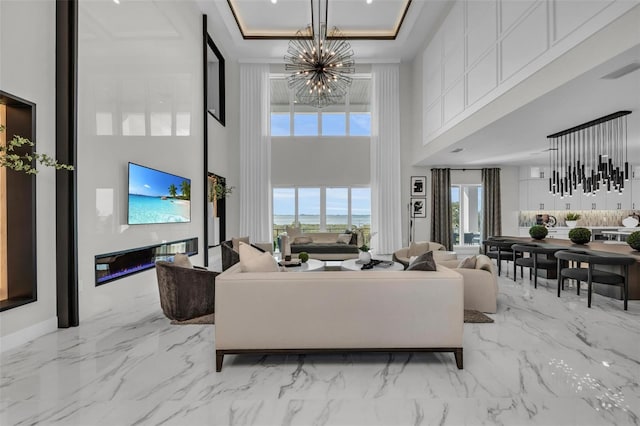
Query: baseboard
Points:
[13, 340]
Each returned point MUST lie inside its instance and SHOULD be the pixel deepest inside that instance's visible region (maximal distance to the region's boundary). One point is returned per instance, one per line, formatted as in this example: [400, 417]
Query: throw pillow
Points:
[468, 263]
[293, 231]
[252, 260]
[343, 238]
[412, 259]
[182, 260]
[302, 240]
[424, 262]
[416, 249]
[236, 242]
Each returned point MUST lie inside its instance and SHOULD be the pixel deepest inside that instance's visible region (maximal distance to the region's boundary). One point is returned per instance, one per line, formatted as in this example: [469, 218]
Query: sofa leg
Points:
[219, 358]
[458, 355]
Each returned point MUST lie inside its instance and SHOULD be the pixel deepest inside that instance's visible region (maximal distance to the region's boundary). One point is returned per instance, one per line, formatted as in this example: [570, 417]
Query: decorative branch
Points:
[23, 162]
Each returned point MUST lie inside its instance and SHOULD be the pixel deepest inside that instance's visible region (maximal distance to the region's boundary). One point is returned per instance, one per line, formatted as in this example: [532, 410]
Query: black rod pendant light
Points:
[592, 156]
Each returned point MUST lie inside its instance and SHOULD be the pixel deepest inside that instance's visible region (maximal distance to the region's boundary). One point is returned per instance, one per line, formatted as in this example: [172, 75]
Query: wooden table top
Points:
[598, 247]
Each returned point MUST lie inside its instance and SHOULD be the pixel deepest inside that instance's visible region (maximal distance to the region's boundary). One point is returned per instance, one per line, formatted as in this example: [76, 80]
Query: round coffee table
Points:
[308, 266]
[351, 265]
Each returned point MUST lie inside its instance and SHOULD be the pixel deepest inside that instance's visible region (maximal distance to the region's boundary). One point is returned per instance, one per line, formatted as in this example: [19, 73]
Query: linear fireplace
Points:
[113, 266]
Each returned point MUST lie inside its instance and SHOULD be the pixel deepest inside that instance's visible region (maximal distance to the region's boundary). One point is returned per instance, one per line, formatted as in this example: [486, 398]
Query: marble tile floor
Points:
[545, 361]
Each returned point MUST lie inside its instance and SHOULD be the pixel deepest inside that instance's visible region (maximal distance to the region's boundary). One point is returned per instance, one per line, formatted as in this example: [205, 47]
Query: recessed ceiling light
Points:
[116, 1]
[369, 1]
[457, 150]
[274, 1]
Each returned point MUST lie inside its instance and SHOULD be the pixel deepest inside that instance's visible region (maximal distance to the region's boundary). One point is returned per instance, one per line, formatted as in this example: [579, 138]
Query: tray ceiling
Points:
[356, 19]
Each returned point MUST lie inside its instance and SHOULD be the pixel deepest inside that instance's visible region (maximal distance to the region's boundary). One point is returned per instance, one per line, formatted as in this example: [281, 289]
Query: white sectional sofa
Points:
[305, 312]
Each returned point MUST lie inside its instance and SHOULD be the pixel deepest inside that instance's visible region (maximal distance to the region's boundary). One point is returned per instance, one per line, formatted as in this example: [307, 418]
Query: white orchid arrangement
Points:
[366, 239]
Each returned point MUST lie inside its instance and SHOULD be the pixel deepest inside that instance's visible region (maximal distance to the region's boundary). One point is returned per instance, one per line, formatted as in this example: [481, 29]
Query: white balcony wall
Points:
[484, 48]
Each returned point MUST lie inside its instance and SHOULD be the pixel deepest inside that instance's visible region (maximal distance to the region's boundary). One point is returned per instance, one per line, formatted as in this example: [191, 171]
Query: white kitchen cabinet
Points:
[635, 192]
[523, 194]
[594, 202]
[569, 203]
[619, 201]
[538, 196]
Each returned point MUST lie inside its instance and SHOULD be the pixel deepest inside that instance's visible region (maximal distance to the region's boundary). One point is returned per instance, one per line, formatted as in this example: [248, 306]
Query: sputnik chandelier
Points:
[591, 156]
[320, 63]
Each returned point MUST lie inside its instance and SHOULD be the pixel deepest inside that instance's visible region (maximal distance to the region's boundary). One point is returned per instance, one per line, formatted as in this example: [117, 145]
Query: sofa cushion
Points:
[293, 231]
[424, 262]
[235, 242]
[485, 263]
[344, 239]
[302, 240]
[468, 262]
[416, 249]
[253, 260]
[182, 260]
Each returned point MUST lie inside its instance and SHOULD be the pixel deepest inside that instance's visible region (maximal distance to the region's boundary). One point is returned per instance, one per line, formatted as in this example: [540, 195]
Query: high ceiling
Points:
[260, 19]
[383, 30]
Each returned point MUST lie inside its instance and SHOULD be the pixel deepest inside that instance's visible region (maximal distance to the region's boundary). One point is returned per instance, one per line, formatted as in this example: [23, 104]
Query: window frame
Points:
[323, 203]
[319, 112]
[462, 208]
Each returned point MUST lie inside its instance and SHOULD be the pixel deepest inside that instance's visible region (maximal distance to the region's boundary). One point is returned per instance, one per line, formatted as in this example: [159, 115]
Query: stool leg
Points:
[589, 287]
[559, 277]
[535, 272]
[578, 284]
[626, 285]
[514, 266]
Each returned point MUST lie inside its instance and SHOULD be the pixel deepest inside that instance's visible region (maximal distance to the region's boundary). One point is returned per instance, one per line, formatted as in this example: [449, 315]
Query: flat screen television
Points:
[157, 197]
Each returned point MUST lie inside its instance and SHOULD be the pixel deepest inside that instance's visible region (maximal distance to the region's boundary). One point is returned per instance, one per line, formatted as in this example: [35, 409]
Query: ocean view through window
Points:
[322, 209]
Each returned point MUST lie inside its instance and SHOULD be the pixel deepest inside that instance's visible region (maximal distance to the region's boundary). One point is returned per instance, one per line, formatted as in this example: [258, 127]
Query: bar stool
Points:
[592, 275]
[538, 259]
[499, 249]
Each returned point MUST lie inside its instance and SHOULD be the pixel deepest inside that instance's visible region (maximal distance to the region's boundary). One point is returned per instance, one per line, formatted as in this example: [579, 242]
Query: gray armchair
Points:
[185, 293]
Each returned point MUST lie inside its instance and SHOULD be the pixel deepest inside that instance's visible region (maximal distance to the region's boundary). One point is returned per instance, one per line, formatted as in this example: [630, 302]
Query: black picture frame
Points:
[418, 186]
[418, 208]
[214, 78]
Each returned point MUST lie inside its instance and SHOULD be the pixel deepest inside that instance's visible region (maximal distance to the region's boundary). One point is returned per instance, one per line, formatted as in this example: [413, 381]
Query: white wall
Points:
[143, 57]
[29, 26]
[320, 161]
[224, 147]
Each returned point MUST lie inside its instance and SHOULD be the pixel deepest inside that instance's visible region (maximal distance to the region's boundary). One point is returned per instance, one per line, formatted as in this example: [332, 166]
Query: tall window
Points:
[322, 209]
[466, 203]
[347, 116]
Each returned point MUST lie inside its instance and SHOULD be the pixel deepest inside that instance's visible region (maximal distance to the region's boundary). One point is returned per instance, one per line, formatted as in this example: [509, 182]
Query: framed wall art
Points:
[418, 186]
[418, 207]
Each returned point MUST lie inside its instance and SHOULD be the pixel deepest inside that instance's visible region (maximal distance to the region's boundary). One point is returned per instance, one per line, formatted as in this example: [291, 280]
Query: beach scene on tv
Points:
[157, 197]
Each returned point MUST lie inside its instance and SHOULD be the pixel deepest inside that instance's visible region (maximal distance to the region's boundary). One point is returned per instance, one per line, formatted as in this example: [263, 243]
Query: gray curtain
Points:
[491, 203]
[441, 225]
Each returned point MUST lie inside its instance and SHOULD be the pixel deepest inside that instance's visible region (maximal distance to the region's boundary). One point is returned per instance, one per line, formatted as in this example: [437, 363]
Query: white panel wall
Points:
[125, 67]
[486, 47]
[331, 161]
[30, 76]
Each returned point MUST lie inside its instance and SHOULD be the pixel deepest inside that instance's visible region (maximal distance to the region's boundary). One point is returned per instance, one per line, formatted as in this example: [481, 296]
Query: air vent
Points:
[457, 150]
[622, 71]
